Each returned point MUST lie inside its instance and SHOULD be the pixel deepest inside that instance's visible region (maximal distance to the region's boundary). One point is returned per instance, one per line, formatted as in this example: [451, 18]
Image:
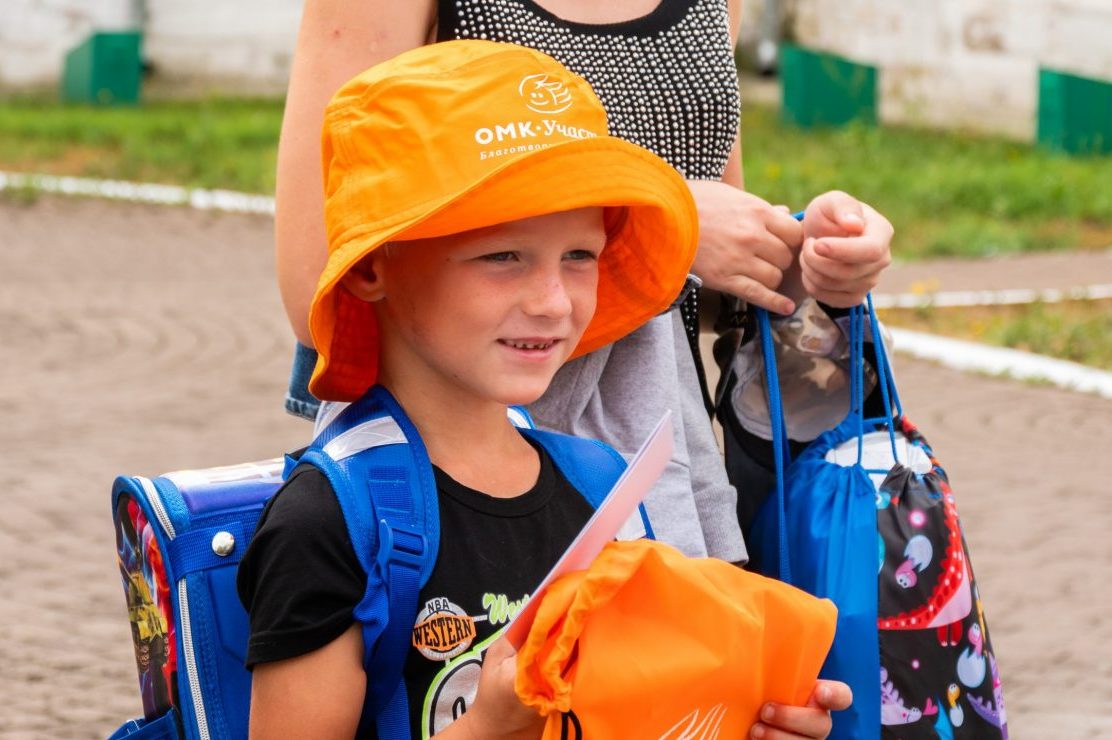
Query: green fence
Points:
[1075, 113]
[821, 89]
[105, 69]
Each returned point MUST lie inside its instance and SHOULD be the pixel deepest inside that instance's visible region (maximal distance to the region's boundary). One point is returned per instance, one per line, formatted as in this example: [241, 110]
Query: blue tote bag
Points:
[865, 517]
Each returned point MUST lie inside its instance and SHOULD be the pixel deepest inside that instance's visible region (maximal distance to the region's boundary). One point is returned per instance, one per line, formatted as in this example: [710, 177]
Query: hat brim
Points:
[641, 270]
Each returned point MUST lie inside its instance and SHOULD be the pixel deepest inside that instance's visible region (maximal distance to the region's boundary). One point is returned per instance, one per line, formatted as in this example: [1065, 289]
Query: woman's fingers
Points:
[784, 226]
[839, 272]
[756, 294]
[853, 250]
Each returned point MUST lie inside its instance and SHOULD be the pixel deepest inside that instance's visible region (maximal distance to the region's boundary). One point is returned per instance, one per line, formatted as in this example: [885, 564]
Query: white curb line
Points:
[970, 298]
[969, 356]
[141, 192]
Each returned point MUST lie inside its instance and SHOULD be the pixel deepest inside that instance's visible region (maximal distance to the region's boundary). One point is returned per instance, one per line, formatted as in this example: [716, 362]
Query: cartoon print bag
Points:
[648, 643]
[867, 503]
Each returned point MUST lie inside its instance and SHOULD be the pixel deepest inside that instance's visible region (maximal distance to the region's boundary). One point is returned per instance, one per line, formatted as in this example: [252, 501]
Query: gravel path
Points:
[140, 339]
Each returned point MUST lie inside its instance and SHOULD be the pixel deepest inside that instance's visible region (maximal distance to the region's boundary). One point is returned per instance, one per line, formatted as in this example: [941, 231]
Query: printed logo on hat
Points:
[543, 94]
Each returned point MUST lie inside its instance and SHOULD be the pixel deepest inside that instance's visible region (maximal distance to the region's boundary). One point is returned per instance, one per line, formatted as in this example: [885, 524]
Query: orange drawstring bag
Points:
[649, 643]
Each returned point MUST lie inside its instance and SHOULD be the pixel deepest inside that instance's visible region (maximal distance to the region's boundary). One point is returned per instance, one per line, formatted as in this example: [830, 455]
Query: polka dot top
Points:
[667, 79]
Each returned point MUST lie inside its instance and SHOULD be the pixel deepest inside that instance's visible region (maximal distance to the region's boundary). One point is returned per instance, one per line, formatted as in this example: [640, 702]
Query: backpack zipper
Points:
[191, 662]
[155, 500]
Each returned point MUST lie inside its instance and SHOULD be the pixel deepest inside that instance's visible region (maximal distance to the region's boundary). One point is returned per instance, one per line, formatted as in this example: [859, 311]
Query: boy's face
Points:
[491, 313]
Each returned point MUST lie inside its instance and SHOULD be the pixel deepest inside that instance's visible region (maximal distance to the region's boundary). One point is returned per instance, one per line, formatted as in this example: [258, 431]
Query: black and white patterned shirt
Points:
[666, 79]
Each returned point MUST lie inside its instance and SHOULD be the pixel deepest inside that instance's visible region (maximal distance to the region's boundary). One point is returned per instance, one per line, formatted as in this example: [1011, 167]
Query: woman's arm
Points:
[747, 246]
[336, 41]
[735, 173]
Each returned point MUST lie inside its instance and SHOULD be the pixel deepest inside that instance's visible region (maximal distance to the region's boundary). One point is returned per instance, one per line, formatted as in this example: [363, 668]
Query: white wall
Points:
[963, 63]
[249, 42]
[208, 42]
[36, 34]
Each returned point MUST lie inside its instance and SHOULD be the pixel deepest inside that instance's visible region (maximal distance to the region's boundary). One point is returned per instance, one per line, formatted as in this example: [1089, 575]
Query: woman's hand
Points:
[782, 722]
[746, 245]
[846, 246]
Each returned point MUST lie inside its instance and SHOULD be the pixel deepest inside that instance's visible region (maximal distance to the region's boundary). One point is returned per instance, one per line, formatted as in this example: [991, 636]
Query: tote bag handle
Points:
[889, 395]
[781, 453]
[781, 450]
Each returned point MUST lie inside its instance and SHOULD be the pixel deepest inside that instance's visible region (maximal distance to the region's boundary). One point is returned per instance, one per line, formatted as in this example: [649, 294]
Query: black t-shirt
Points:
[300, 579]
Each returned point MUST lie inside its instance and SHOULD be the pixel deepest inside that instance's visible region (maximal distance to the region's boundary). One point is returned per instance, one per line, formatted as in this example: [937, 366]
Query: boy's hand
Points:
[781, 722]
[745, 244]
[497, 712]
[846, 246]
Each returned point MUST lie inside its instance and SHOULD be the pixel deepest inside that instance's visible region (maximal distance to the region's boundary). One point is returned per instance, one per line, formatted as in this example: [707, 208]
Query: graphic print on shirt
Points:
[453, 689]
[443, 630]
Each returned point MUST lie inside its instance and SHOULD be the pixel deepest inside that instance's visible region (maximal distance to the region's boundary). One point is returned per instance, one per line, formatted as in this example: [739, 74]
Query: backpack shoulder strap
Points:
[592, 467]
[379, 469]
[589, 465]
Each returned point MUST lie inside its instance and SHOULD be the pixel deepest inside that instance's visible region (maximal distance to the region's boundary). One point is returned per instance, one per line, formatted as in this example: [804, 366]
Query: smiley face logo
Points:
[543, 94]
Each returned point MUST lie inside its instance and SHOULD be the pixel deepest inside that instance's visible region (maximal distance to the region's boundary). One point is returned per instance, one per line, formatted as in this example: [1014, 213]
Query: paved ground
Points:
[139, 339]
[1059, 270]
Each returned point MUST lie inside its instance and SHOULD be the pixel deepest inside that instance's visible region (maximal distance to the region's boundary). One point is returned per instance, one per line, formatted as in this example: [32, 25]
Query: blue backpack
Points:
[180, 536]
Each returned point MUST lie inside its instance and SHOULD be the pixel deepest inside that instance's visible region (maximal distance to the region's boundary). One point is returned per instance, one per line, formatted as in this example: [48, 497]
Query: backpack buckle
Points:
[398, 545]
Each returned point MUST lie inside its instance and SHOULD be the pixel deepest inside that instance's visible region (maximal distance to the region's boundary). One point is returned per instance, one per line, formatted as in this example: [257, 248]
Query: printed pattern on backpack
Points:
[938, 674]
[149, 607]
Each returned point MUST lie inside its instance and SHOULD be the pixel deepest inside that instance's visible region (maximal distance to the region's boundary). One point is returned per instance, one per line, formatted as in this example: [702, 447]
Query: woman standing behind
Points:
[664, 69]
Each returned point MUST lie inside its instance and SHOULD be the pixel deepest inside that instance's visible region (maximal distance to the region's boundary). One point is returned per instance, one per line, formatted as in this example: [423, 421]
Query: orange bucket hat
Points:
[650, 643]
[461, 135]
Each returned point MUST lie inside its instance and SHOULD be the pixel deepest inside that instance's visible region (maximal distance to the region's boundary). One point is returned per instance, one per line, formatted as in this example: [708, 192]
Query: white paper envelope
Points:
[619, 505]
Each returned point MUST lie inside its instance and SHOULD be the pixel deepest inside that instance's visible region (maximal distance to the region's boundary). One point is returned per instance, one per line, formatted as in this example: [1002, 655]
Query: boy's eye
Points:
[580, 255]
[499, 257]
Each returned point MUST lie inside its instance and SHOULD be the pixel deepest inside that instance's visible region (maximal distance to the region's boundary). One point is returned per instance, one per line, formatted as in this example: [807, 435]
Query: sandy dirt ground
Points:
[139, 339]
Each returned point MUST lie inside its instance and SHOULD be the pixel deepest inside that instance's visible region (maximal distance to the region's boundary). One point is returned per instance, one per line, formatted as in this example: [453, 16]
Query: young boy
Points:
[482, 229]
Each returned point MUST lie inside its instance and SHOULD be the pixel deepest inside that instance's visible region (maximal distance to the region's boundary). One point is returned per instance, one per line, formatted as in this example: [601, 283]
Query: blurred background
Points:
[980, 127]
[142, 330]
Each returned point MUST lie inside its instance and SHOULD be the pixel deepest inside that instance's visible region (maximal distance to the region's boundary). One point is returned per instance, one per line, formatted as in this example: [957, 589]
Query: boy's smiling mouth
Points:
[531, 344]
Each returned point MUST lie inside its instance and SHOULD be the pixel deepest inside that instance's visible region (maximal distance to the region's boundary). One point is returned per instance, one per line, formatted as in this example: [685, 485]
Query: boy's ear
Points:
[364, 279]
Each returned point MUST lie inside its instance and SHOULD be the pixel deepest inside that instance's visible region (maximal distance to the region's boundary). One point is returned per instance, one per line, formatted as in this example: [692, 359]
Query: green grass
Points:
[208, 143]
[947, 194]
[1080, 331]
